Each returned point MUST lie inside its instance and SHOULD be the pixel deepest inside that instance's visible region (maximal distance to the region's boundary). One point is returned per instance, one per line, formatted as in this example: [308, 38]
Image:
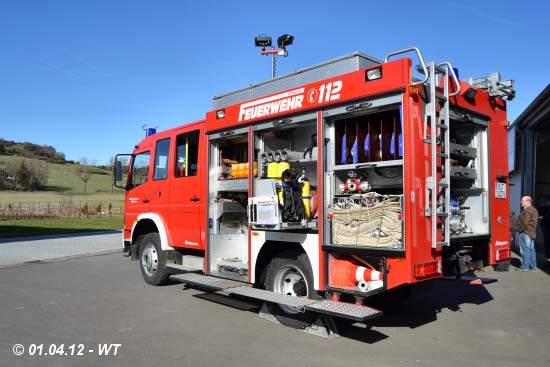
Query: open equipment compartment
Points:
[363, 194]
[364, 178]
[285, 191]
[228, 194]
[469, 205]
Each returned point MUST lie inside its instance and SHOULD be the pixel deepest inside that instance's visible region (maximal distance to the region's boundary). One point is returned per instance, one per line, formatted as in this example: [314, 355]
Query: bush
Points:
[84, 209]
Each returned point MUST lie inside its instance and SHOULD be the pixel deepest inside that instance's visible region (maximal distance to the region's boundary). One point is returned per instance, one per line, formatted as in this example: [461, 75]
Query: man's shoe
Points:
[522, 270]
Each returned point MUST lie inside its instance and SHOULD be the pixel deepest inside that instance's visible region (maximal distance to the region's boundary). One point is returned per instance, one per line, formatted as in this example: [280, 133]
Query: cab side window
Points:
[161, 160]
[187, 154]
[140, 168]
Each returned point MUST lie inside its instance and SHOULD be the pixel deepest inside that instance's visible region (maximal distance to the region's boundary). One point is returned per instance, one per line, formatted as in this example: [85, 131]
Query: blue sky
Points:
[85, 76]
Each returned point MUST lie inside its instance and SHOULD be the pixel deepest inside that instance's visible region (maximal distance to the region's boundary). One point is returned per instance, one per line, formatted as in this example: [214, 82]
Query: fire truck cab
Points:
[320, 188]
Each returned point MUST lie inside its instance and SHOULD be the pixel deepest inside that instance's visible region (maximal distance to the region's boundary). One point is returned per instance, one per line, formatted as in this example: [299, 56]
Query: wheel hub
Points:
[291, 281]
[149, 259]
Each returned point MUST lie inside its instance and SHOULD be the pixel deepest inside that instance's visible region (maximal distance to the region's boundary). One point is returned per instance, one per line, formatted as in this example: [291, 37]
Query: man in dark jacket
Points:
[527, 229]
[545, 225]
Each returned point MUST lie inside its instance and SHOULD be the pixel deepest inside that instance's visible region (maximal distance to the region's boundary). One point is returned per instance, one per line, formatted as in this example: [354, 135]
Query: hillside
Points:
[44, 153]
[64, 185]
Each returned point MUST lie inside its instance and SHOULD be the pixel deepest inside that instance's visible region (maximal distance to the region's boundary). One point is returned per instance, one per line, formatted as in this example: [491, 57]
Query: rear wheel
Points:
[290, 273]
[152, 260]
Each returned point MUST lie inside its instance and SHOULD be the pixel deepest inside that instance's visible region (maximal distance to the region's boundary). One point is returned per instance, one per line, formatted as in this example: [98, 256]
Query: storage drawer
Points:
[463, 173]
[462, 151]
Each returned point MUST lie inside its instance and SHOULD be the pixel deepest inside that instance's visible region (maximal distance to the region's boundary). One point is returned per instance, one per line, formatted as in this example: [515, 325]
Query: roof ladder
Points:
[436, 121]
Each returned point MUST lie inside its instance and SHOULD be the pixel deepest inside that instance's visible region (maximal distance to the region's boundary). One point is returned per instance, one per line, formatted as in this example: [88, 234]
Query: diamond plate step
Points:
[271, 296]
[183, 267]
[208, 282]
[344, 310]
[326, 307]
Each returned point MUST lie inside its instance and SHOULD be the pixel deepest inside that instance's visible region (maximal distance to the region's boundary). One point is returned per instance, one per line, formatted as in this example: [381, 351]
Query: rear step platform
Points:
[324, 307]
[345, 310]
[206, 282]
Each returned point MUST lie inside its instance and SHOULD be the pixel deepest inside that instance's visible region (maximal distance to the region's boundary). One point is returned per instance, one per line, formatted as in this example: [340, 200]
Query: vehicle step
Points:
[326, 307]
[208, 282]
[183, 267]
[271, 296]
[344, 310]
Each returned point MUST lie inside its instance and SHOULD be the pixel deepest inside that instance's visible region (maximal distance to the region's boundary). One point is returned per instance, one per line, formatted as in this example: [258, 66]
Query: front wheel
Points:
[290, 274]
[152, 260]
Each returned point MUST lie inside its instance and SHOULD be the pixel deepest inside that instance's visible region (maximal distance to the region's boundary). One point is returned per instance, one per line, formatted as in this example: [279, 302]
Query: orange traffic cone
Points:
[345, 273]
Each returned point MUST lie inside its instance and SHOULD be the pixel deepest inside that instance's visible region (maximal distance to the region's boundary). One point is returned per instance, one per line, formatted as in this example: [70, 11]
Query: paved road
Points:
[102, 299]
[47, 248]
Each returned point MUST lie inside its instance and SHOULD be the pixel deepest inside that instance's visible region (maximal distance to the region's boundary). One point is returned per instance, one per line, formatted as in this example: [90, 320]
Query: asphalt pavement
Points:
[21, 250]
[90, 302]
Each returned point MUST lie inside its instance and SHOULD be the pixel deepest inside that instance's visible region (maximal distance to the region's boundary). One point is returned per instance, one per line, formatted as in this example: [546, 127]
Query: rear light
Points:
[373, 74]
[502, 254]
[428, 269]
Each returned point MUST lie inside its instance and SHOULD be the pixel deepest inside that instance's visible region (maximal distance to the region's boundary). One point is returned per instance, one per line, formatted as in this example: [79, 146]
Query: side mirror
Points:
[118, 171]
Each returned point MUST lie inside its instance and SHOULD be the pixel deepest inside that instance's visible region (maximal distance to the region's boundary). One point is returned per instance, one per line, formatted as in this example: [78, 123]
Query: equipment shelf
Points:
[236, 185]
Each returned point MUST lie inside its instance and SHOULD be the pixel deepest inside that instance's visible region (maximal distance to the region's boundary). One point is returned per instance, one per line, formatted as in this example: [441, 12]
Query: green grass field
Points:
[64, 186]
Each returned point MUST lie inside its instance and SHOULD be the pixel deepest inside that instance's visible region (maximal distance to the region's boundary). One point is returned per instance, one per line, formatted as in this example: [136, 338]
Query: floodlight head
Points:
[262, 41]
[470, 93]
[285, 40]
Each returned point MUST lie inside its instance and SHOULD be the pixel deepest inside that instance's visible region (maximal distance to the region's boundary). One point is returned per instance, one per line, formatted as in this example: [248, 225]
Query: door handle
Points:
[145, 201]
[194, 198]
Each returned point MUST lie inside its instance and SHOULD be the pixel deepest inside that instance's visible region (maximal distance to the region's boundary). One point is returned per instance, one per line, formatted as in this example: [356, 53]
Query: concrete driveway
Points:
[14, 252]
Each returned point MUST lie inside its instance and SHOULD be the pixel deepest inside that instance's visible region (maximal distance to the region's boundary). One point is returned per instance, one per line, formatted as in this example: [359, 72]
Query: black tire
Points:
[152, 260]
[294, 270]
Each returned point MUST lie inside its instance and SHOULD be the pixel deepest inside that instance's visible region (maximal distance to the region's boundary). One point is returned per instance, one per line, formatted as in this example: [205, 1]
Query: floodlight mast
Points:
[264, 41]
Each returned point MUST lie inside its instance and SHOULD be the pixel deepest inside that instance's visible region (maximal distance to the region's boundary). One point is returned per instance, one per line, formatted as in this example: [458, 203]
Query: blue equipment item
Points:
[400, 144]
[367, 146]
[354, 152]
[344, 158]
[400, 137]
[454, 206]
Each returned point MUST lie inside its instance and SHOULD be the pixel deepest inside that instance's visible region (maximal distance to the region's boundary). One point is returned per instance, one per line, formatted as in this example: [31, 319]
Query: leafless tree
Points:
[84, 170]
[111, 167]
[11, 170]
[38, 174]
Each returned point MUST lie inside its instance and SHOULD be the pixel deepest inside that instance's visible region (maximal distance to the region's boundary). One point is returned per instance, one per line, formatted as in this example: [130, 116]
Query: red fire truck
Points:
[318, 189]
